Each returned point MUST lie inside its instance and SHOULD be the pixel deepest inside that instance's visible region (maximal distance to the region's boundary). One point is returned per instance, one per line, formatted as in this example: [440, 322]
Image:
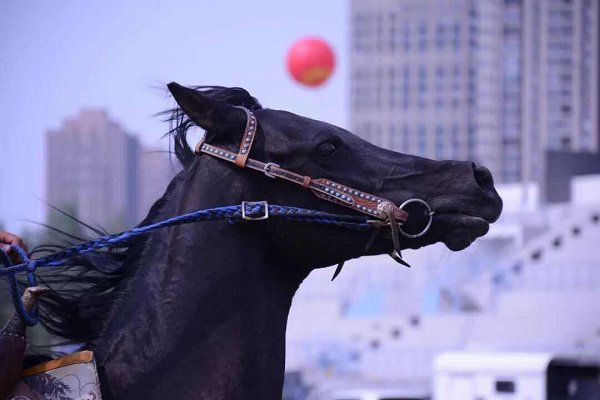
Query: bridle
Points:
[385, 212]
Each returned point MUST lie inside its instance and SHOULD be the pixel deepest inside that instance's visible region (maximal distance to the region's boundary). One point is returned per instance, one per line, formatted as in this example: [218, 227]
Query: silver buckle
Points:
[267, 169]
[246, 217]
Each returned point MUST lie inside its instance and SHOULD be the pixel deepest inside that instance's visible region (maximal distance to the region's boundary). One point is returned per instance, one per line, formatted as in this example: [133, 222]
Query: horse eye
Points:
[326, 149]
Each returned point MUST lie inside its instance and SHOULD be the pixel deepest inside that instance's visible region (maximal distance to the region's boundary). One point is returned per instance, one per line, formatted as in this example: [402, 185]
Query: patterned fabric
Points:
[12, 349]
[73, 377]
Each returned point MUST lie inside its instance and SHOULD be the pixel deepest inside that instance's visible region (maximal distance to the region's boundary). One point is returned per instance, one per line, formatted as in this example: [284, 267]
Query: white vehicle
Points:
[512, 376]
[370, 394]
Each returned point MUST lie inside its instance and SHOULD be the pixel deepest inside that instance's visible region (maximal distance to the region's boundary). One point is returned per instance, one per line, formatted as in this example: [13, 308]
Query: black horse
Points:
[200, 310]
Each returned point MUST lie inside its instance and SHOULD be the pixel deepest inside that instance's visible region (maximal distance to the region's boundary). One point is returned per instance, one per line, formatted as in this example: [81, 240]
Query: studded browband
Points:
[325, 189]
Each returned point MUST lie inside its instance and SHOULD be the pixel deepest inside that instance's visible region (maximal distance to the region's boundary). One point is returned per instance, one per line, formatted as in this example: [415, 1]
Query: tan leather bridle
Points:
[384, 210]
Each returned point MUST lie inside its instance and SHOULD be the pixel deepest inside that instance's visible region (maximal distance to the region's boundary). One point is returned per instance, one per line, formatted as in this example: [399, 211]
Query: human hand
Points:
[6, 240]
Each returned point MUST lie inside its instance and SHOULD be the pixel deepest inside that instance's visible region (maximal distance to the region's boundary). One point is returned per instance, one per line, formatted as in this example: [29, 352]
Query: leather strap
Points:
[325, 189]
[247, 139]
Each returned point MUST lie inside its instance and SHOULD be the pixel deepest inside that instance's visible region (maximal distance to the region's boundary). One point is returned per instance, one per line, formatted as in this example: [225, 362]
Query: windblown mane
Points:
[84, 290]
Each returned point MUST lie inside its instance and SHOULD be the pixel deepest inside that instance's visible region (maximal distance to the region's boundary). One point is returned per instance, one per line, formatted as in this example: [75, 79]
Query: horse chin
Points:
[462, 230]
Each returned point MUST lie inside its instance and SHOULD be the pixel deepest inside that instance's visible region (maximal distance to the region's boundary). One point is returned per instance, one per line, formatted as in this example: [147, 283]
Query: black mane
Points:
[83, 291]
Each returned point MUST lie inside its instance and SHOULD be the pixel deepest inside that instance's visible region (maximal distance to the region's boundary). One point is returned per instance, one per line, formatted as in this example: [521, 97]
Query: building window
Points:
[455, 132]
[505, 387]
[393, 33]
[440, 35]
[378, 88]
[422, 87]
[392, 88]
[439, 72]
[455, 103]
[439, 86]
[439, 142]
[406, 87]
[405, 138]
[422, 83]
[393, 136]
[471, 145]
[379, 30]
[422, 36]
[456, 36]
[407, 38]
[422, 140]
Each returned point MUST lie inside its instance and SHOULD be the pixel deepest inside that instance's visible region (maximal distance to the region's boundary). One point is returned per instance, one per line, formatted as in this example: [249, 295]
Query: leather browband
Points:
[325, 189]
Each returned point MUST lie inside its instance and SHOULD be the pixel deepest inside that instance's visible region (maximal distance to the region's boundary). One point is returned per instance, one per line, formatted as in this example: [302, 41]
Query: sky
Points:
[58, 57]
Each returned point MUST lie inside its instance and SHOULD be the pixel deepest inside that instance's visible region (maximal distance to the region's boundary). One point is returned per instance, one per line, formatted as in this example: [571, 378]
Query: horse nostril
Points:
[483, 177]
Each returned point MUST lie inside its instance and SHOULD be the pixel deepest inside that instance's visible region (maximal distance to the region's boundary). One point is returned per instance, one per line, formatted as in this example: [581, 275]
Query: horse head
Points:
[217, 295]
[461, 194]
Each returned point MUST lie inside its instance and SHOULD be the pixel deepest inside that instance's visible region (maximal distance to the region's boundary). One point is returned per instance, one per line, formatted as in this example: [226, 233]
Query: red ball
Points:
[310, 61]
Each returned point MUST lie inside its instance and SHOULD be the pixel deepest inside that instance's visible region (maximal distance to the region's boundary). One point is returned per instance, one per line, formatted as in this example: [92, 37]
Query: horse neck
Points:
[205, 317]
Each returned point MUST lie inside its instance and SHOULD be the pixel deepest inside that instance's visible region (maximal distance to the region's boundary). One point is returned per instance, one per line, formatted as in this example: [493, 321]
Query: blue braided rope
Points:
[252, 210]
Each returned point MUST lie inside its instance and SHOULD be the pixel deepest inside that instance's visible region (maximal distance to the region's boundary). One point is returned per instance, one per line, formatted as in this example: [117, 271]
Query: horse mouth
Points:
[461, 230]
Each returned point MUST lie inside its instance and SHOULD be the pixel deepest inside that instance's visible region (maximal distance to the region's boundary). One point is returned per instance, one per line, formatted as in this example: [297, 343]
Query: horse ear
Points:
[204, 110]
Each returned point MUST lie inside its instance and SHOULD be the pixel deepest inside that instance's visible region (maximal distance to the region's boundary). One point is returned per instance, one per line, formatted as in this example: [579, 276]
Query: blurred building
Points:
[155, 171]
[94, 171]
[529, 285]
[559, 79]
[494, 81]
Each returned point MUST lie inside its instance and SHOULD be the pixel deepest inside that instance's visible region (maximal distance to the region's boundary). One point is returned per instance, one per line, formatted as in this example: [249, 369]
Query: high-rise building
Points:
[94, 171]
[494, 81]
[422, 74]
[559, 87]
[156, 170]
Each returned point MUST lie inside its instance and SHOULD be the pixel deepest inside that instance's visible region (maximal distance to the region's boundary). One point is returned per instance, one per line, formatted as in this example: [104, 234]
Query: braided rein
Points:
[247, 211]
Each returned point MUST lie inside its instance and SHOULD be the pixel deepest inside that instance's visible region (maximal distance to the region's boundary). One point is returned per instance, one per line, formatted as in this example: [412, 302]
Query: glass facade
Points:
[493, 81]
[511, 91]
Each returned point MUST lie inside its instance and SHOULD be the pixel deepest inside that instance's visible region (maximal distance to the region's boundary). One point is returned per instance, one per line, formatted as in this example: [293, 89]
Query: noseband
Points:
[384, 210]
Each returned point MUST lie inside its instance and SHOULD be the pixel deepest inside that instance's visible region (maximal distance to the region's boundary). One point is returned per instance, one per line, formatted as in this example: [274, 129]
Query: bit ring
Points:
[430, 214]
